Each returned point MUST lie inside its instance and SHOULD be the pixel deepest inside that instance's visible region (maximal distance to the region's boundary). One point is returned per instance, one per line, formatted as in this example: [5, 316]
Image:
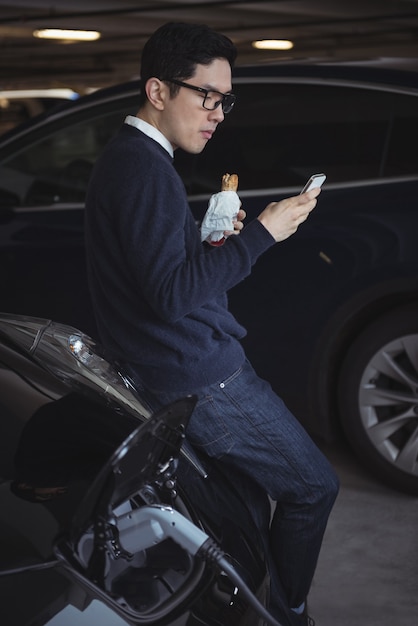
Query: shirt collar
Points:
[150, 131]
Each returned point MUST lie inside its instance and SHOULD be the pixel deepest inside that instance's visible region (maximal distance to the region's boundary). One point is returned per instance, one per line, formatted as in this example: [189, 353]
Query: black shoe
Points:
[303, 620]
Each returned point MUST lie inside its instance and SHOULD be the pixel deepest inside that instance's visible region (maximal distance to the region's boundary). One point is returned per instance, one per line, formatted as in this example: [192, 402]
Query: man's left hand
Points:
[238, 224]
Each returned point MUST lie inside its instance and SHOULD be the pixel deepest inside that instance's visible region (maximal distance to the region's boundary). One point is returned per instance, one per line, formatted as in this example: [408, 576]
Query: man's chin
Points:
[200, 149]
[195, 149]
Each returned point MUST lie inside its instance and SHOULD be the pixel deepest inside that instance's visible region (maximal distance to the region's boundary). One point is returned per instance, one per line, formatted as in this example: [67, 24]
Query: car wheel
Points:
[378, 398]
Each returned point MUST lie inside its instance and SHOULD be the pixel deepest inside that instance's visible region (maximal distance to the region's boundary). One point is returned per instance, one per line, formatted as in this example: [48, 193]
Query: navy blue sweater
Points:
[159, 294]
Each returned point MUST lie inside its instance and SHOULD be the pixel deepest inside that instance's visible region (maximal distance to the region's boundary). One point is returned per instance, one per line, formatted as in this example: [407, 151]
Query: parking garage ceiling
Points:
[382, 31]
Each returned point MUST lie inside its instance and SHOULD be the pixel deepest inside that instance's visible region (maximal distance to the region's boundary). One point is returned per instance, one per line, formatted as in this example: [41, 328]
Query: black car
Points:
[332, 312]
[107, 516]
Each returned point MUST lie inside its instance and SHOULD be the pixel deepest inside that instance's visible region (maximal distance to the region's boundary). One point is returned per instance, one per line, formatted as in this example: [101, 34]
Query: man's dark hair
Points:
[175, 49]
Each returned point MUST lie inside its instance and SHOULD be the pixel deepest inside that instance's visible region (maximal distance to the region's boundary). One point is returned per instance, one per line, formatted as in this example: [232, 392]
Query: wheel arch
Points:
[337, 335]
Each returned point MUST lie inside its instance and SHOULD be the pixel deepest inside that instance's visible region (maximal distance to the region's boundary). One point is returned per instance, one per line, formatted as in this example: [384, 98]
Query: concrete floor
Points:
[367, 574]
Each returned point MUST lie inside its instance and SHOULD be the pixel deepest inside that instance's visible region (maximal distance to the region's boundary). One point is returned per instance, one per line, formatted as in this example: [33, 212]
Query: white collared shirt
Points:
[151, 131]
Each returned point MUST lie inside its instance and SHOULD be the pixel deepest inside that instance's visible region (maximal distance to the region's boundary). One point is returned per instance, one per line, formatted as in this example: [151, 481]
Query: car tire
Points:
[378, 398]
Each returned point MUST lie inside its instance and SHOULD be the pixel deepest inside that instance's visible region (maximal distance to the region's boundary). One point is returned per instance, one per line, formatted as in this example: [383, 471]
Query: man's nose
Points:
[217, 114]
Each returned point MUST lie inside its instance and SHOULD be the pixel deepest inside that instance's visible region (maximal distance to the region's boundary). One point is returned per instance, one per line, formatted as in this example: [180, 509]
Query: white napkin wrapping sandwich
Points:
[222, 211]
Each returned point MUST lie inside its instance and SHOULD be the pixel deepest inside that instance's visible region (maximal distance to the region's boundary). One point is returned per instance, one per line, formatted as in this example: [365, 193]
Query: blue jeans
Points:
[242, 422]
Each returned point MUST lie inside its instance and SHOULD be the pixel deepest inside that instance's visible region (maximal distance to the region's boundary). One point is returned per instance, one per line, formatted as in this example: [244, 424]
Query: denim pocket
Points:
[208, 428]
[231, 378]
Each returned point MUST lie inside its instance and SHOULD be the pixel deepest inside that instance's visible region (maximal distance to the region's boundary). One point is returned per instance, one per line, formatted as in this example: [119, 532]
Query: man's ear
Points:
[156, 92]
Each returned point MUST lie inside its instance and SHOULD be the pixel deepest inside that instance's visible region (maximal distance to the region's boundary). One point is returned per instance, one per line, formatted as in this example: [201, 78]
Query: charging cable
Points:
[147, 526]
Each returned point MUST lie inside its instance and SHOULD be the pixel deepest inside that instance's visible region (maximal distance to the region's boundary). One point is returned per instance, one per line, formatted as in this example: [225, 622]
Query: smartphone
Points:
[316, 180]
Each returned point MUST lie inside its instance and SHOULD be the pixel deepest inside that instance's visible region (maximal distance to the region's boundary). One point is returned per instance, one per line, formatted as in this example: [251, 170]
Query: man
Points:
[160, 295]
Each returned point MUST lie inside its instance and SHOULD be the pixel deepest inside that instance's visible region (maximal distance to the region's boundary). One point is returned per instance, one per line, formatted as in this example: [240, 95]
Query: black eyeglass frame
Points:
[227, 101]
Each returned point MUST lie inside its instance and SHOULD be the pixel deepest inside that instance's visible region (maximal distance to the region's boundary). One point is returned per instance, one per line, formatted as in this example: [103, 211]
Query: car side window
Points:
[402, 156]
[56, 168]
[279, 134]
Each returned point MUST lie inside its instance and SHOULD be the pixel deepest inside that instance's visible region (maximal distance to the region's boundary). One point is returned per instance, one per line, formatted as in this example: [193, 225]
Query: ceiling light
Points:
[67, 35]
[54, 92]
[273, 44]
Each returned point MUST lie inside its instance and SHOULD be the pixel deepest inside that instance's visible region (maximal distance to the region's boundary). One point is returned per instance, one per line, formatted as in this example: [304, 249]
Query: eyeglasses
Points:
[212, 99]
